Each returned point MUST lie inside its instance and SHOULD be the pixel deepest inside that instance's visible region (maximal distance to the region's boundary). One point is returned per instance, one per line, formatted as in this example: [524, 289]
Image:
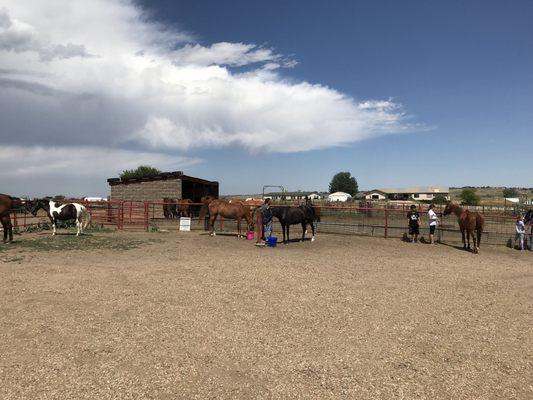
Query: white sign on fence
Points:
[185, 224]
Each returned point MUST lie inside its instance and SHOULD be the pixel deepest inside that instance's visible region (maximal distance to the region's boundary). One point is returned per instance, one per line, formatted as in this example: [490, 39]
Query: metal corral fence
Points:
[380, 222]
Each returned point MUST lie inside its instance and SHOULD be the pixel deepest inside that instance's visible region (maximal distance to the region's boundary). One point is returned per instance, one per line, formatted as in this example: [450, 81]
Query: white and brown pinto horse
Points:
[64, 212]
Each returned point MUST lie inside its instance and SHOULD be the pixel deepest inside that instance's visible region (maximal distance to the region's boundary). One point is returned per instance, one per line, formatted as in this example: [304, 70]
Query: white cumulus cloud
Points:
[99, 74]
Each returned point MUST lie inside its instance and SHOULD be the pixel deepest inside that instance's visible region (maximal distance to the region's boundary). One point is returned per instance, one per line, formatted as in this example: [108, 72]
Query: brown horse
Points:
[183, 207]
[7, 204]
[471, 223]
[236, 210]
[176, 208]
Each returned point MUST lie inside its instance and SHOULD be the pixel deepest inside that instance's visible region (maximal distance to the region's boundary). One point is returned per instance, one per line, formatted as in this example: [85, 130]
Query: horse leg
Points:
[304, 231]
[283, 227]
[288, 239]
[238, 228]
[313, 231]
[9, 228]
[464, 239]
[474, 240]
[54, 221]
[212, 220]
[5, 228]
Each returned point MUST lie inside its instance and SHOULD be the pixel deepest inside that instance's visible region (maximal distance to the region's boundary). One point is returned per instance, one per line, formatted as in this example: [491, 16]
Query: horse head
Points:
[34, 205]
[448, 209]
[251, 226]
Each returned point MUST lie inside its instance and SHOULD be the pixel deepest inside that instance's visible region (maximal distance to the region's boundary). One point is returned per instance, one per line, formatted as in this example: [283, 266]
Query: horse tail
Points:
[203, 212]
[86, 217]
[480, 221]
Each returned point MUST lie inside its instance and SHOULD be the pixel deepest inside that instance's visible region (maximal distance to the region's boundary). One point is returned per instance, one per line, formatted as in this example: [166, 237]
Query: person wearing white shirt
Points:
[433, 221]
[520, 232]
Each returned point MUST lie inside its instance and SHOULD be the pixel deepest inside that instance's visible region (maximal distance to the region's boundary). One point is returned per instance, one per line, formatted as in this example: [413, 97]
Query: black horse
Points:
[528, 218]
[304, 214]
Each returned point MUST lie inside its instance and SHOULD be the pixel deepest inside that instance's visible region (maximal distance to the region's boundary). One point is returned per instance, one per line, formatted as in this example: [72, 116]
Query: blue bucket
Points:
[272, 241]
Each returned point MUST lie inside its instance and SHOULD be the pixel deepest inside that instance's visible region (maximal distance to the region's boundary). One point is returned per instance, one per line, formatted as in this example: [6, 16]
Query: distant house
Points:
[416, 193]
[376, 194]
[339, 196]
[298, 195]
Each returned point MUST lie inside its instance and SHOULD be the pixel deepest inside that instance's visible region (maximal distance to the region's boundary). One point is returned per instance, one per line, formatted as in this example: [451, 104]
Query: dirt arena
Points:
[184, 315]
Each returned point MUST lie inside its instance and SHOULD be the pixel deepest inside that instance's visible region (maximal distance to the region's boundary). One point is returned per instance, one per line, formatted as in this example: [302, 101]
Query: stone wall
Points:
[154, 190]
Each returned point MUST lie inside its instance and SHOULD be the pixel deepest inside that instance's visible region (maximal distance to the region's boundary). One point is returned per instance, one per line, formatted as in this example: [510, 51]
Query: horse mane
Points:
[205, 200]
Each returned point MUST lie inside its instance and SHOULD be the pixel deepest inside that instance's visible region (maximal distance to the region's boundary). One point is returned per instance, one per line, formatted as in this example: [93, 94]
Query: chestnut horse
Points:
[236, 210]
[176, 208]
[471, 223]
[184, 207]
[7, 204]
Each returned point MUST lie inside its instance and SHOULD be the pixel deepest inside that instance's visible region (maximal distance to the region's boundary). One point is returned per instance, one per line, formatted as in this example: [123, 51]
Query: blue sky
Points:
[461, 71]
[463, 68]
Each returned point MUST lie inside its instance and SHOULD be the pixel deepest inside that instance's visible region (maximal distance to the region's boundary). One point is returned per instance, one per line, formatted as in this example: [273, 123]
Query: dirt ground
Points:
[184, 315]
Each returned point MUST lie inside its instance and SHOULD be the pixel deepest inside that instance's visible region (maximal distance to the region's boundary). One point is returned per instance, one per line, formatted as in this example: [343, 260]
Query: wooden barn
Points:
[173, 185]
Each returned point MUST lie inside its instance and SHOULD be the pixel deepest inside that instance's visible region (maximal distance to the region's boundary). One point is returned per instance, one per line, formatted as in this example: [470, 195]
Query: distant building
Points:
[413, 193]
[174, 185]
[298, 195]
[90, 199]
[339, 196]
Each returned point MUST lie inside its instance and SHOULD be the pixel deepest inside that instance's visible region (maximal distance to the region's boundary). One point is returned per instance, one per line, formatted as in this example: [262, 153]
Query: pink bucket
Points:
[250, 235]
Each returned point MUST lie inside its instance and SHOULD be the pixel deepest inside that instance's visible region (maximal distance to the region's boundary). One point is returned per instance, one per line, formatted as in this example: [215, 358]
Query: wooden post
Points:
[146, 216]
[386, 223]
[259, 227]
[120, 215]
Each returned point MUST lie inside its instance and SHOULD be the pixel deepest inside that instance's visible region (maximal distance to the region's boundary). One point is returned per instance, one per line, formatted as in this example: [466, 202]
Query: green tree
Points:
[469, 197]
[510, 192]
[142, 171]
[439, 199]
[343, 182]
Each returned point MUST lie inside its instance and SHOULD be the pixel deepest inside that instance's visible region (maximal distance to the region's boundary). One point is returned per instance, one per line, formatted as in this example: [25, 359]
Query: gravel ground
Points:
[194, 317]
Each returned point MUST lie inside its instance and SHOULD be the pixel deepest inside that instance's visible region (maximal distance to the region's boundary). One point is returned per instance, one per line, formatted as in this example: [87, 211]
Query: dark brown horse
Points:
[7, 204]
[176, 208]
[235, 210]
[169, 208]
[303, 214]
[471, 224]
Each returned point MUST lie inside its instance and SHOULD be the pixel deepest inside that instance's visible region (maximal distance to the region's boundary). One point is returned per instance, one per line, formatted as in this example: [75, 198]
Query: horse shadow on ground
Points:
[298, 240]
[405, 238]
[63, 234]
[224, 234]
[456, 247]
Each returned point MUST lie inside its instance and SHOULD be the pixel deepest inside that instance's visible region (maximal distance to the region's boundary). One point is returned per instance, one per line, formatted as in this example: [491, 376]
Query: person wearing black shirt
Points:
[266, 219]
[414, 223]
